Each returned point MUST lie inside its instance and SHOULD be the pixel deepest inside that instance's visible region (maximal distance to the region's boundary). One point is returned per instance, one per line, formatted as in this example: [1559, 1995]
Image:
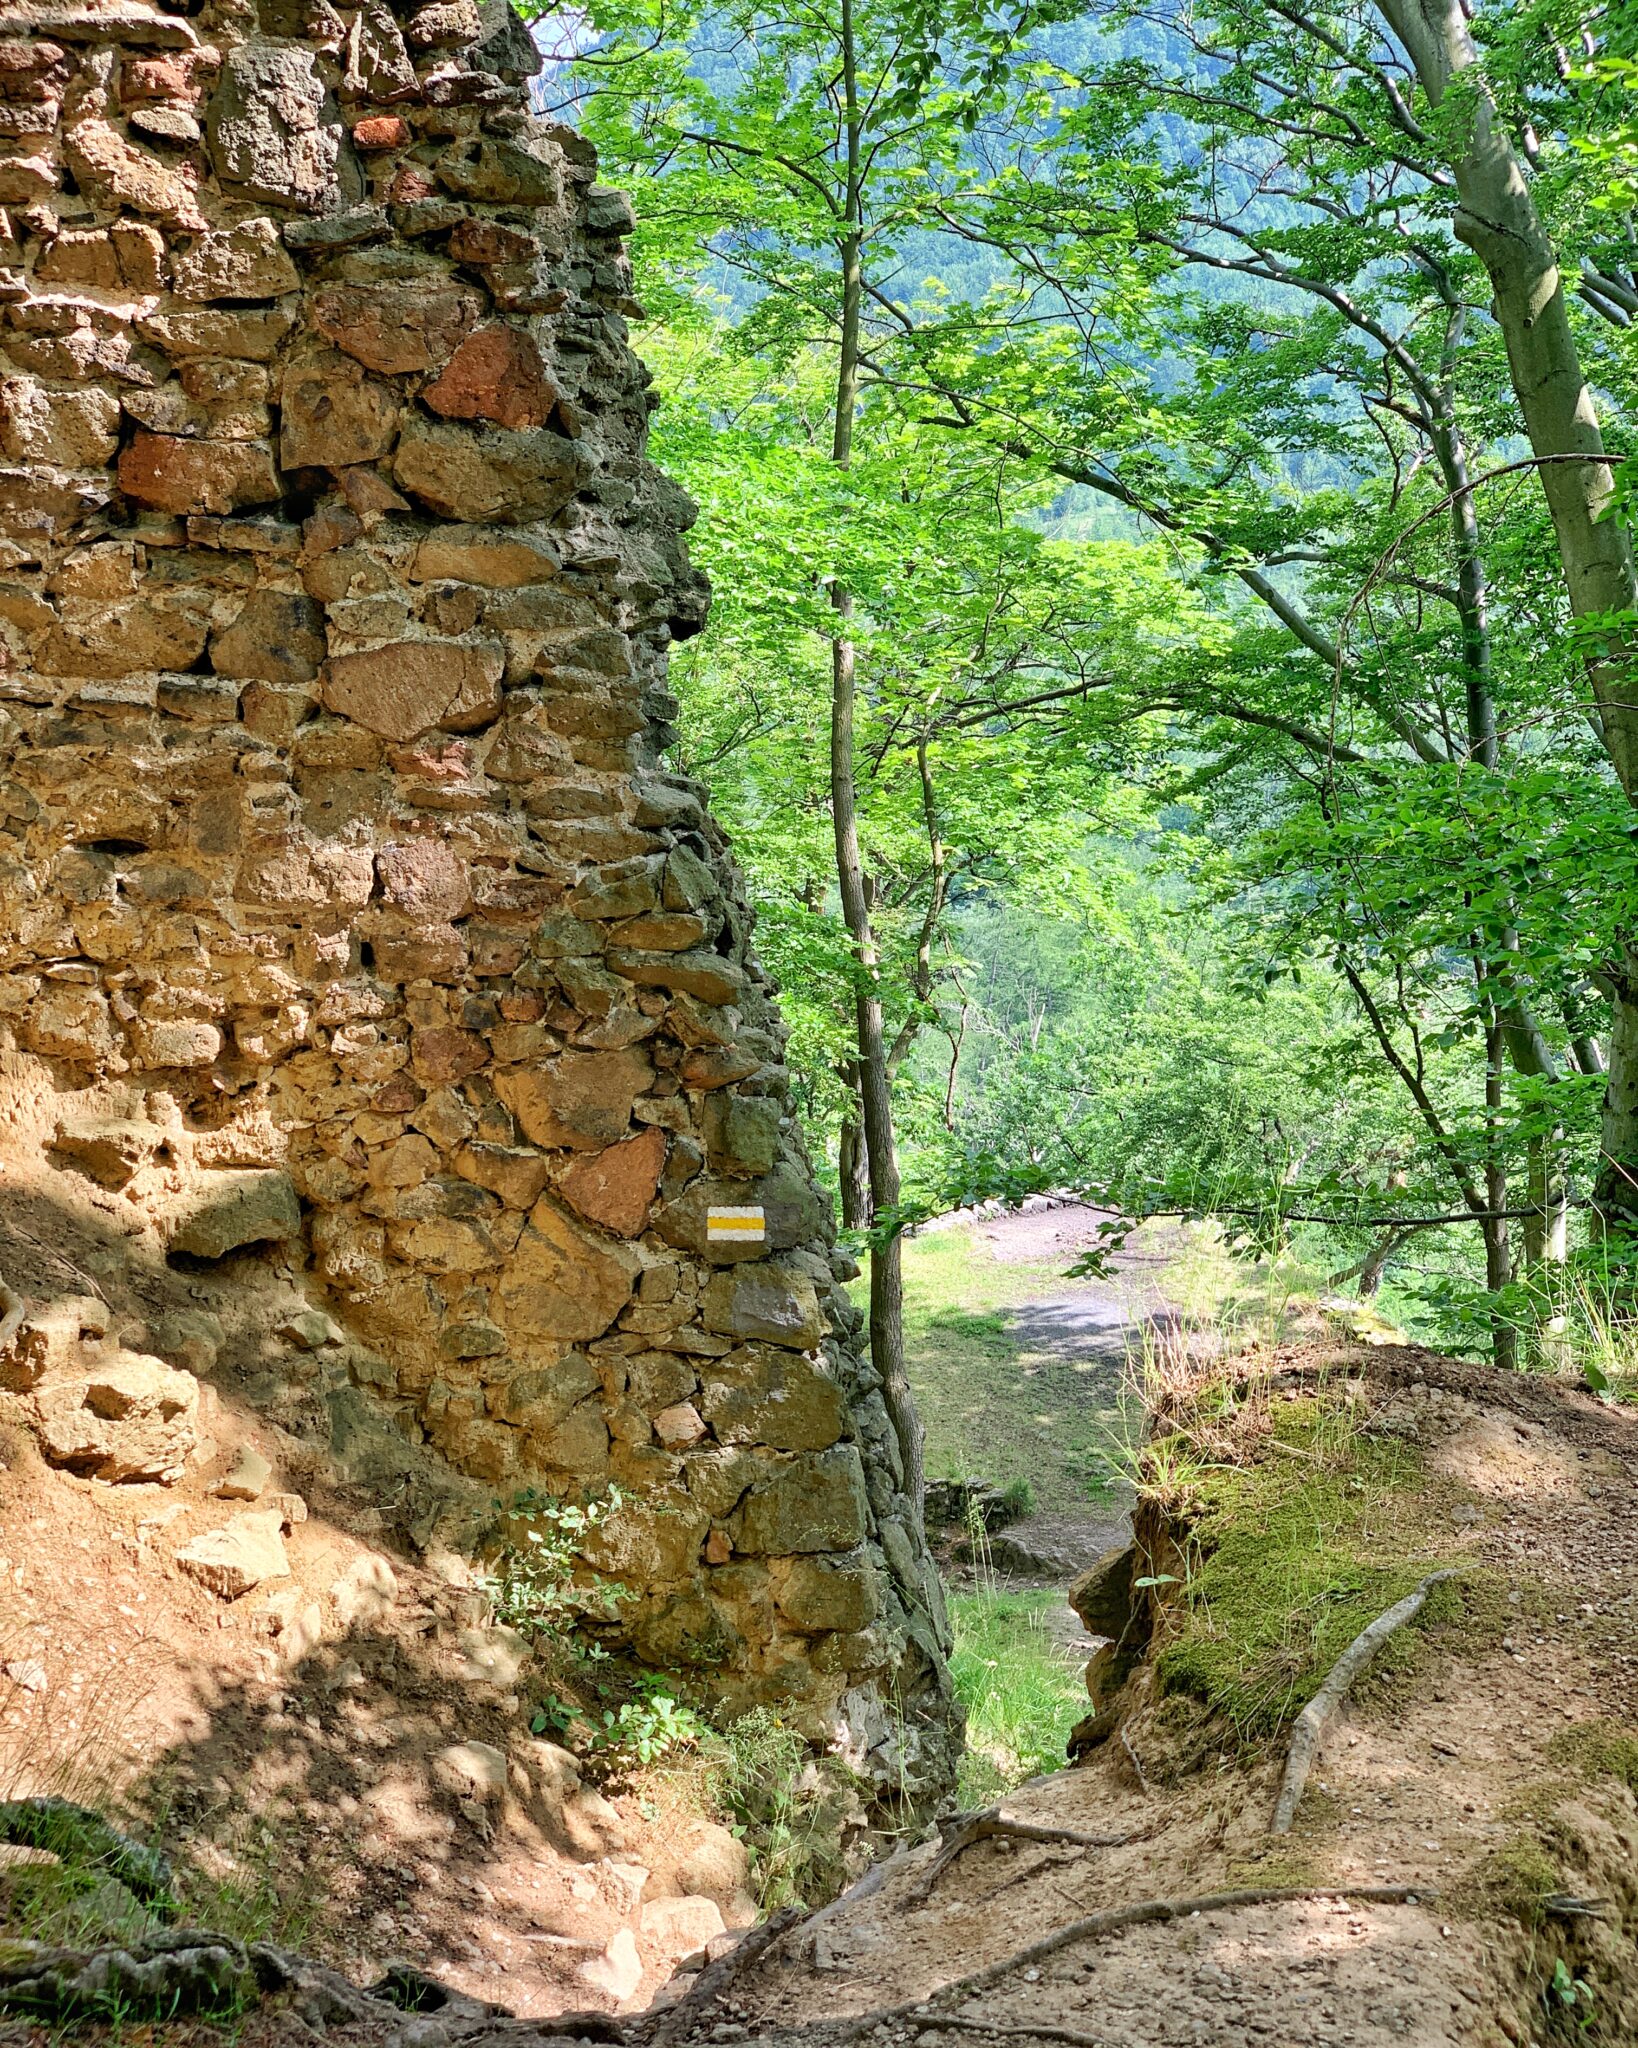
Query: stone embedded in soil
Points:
[718, 1866]
[234, 1560]
[108, 1150]
[133, 1418]
[674, 1928]
[235, 1209]
[1048, 1549]
[472, 1770]
[55, 1339]
[1102, 1595]
[246, 1478]
[618, 1971]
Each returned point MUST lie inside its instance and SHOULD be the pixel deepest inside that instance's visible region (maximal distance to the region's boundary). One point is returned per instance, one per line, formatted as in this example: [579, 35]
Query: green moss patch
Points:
[1292, 1556]
[1599, 1749]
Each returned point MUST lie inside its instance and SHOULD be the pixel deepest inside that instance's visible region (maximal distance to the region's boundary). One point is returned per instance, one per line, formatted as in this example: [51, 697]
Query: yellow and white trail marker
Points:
[735, 1226]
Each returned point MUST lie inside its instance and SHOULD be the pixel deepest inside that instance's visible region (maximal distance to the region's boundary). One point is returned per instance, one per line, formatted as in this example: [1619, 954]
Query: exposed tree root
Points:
[716, 1979]
[194, 1974]
[993, 1825]
[1111, 1920]
[79, 1835]
[952, 2023]
[1315, 1717]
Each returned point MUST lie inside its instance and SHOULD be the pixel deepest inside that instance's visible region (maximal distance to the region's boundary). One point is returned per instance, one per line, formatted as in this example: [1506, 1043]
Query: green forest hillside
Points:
[1174, 725]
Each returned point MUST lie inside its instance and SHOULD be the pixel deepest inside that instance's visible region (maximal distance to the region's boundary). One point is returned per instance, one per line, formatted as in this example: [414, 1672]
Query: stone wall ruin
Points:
[341, 874]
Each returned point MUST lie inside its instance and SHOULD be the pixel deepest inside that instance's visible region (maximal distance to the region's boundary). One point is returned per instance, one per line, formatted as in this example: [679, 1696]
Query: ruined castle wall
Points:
[335, 595]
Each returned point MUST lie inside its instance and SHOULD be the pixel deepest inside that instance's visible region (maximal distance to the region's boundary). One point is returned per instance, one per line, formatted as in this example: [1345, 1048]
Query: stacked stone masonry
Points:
[335, 597]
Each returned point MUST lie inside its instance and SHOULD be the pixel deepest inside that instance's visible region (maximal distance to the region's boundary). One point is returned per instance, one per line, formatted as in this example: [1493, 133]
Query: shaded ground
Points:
[289, 1748]
[1483, 1776]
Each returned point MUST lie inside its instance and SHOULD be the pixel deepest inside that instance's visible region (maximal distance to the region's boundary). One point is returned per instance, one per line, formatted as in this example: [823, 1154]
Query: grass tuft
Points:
[1291, 1557]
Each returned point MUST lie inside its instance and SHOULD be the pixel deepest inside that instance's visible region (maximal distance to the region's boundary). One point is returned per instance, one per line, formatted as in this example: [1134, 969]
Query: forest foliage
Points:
[1233, 594]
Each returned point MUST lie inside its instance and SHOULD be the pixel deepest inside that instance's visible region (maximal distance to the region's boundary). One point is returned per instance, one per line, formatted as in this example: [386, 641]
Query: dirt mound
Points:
[1484, 1771]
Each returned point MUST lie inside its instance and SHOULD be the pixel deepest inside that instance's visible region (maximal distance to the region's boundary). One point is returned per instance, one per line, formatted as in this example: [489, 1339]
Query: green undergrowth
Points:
[1292, 1555]
[1021, 1691]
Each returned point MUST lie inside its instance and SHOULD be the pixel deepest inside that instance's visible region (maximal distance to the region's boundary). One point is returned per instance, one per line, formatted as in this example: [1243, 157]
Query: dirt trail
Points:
[1451, 1790]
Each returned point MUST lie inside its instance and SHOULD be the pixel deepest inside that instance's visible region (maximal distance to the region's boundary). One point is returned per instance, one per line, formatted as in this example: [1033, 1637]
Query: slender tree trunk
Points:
[1498, 1248]
[1546, 1236]
[875, 1086]
[1497, 219]
[852, 1167]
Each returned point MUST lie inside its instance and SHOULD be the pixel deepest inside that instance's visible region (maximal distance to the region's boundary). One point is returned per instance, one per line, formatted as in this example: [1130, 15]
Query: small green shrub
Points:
[1018, 1498]
[793, 1810]
[532, 1584]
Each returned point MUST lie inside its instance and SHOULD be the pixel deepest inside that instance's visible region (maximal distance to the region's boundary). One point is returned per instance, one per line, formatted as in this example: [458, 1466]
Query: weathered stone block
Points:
[741, 1134]
[332, 415]
[562, 1284]
[616, 1188]
[276, 636]
[235, 1209]
[396, 328]
[275, 132]
[813, 1593]
[131, 1418]
[498, 560]
[173, 474]
[233, 1561]
[807, 1503]
[772, 1398]
[78, 429]
[245, 262]
[501, 173]
[475, 474]
[126, 637]
[109, 167]
[378, 63]
[765, 1300]
[496, 374]
[581, 1099]
[518, 1177]
[706, 975]
[175, 1042]
[793, 1213]
[410, 687]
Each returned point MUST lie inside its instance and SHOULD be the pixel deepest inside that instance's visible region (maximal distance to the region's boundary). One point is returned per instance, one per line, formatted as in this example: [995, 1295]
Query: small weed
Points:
[534, 1585]
[791, 1809]
[1569, 1994]
[1018, 1498]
